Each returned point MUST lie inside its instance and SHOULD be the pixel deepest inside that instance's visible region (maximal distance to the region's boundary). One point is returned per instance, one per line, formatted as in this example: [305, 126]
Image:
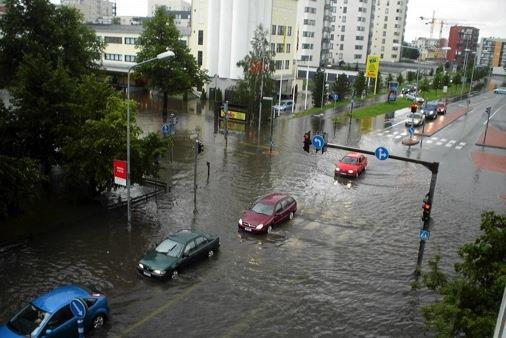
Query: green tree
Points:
[389, 78]
[258, 67]
[411, 76]
[446, 79]
[424, 85]
[470, 301]
[176, 75]
[341, 86]
[437, 81]
[318, 92]
[457, 79]
[400, 79]
[359, 84]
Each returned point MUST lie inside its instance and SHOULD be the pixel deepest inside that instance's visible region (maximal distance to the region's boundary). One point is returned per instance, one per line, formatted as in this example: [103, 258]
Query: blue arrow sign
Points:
[78, 308]
[381, 153]
[411, 130]
[166, 129]
[318, 142]
[424, 235]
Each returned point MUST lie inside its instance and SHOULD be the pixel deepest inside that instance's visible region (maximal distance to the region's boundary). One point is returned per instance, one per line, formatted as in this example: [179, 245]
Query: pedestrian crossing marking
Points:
[462, 144]
[439, 143]
[429, 141]
[452, 141]
[390, 135]
[449, 145]
[404, 134]
[434, 138]
[458, 147]
[396, 132]
[398, 137]
[443, 140]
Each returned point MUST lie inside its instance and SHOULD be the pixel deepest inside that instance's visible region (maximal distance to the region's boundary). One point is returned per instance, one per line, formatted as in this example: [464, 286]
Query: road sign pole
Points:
[486, 128]
[426, 222]
[80, 328]
[195, 174]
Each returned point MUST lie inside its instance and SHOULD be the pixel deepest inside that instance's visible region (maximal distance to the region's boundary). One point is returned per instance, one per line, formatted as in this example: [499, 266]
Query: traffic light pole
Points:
[432, 166]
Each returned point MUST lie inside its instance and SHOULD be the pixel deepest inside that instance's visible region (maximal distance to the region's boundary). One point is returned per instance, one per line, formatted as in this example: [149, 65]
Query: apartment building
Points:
[169, 5]
[94, 11]
[222, 31]
[350, 31]
[120, 52]
[492, 52]
[462, 40]
[310, 31]
[386, 32]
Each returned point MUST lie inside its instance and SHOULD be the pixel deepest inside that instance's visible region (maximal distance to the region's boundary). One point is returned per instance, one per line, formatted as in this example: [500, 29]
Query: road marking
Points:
[439, 143]
[485, 122]
[462, 144]
[452, 141]
[380, 134]
[449, 145]
[458, 147]
[386, 131]
[395, 132]
[433, 138]
[404, 134]
[393, 125]
[429, 141]
[443, 140]
[390, 135]
[398, 137]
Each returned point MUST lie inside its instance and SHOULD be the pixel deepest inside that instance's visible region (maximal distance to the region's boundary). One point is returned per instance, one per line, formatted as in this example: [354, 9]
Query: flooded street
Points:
[342, 267]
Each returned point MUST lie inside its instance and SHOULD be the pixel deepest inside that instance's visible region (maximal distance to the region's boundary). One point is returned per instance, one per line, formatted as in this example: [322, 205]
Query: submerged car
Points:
[415, 120]
[267, 212]
[49, 315]
[500, 90]
[430, 110]
[177, 251]
[441, 107]
[353, 164]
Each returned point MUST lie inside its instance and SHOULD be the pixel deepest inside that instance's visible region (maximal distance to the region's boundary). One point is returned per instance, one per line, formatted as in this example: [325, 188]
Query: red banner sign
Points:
[120, 172]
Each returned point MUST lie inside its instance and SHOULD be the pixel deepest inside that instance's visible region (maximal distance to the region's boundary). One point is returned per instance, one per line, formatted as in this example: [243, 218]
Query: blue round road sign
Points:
[381, 153]
[411, 130]
[318, 142]
[78, 308]
[424, 235]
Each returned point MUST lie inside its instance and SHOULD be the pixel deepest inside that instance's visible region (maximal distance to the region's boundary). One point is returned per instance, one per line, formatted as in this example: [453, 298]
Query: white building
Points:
[120, 51]
[222, 31]
[94, 11]
[351, 33]
[388, 21]
[169, 5]
[310, 29]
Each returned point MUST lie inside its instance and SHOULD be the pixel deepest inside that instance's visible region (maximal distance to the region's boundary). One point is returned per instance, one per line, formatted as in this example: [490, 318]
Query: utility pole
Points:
[261, 95]
[195, 173]
[225, 110]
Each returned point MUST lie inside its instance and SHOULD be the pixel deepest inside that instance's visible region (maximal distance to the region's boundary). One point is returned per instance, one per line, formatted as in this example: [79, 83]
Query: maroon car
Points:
[267, 212]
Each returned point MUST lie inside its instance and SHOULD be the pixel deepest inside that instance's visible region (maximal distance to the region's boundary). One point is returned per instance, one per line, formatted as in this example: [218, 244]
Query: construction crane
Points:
[433, 21]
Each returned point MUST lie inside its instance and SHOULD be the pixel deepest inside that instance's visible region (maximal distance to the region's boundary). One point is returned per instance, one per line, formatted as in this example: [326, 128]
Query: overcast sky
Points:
[489, 16]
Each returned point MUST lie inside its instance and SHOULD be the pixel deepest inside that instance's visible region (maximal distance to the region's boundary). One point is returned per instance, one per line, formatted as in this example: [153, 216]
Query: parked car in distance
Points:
[413, 97]
[408, 90]
[267, 212]
[441, 107]
[430, 110]
[178, 250]
[284, 105]
[500, 90]
[49, 315]
[353, 164]
[415, 120]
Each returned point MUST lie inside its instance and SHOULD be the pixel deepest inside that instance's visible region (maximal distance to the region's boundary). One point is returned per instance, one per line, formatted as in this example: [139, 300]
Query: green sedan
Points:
[177, 251]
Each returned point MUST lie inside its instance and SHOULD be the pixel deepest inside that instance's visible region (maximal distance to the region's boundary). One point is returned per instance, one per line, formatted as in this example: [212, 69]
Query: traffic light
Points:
[200, 147]
[414, 107]
[426, 206]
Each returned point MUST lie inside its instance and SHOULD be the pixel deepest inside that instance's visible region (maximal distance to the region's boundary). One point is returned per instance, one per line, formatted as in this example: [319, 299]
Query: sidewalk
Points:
[495, 138]
[432, 127]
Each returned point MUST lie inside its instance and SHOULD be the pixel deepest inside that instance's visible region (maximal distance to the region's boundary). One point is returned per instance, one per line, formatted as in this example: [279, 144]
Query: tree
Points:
[400, 79]
[470, 301]
[177, 74]
[359, 84]
[437, 81]
[341, 86]
[424, 85]
[446, 80]
[319, 90]
[258, 67]
[411, 76]
[389, 78]
[457, 79]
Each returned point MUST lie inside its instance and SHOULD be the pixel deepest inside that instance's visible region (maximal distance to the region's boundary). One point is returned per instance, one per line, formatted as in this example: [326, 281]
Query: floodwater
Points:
[342, 267]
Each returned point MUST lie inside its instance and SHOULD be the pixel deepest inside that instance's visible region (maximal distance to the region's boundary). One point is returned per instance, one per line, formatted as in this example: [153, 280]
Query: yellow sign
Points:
[372, 66]
[234, 115]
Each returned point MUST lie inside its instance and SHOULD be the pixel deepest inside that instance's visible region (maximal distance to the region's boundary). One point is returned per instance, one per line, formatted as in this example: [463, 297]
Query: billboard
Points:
[372, 66]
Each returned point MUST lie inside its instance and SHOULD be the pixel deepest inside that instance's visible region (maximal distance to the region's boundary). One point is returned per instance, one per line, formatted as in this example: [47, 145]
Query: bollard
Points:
[208, 168]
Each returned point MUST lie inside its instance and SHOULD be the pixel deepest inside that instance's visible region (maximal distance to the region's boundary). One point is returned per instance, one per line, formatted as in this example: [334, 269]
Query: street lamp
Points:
[161, 56]
[465, 72]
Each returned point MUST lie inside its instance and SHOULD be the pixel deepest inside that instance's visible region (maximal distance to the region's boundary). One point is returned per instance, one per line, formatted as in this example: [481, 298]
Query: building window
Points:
[383, 40]
[394, 56]
[307, 34]
[307, 46]
[342, 37]
[281, 30]
[273, 30]
[386, 18]
[280, 48]
[288, 48]
[113, 57]
[199, 58]
[273, 47]
[113, 39]
[384, 33]
[357, 56]
[130, 58]
[309, 22]
[344, 19]
[343, 29]
[359, 38]
[130, 41]
[310, 10]
[287, 64]
[201, 37]
[289, 32]
[279, 64]
[345, 9]
[358, 47]
[395, 49]
[361, 29]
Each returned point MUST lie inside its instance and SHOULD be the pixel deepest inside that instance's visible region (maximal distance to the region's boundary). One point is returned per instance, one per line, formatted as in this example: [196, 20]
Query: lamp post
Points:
[269, 98]
[417, 62]
[161, 56]
[472, 75]
[215, 84]
[323, 86]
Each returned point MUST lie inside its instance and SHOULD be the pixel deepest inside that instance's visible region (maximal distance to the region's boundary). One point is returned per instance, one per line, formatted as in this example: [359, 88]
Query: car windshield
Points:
[170, 248]
[349, 160]
[430, 106]
[29, 319]
[261, 208]
[414, 116]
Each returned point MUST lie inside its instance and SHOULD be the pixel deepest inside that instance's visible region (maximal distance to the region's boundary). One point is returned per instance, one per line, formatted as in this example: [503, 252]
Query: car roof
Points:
[273, 198]
[185, 235]
[431, 103]
[55, 299]
[353, 154]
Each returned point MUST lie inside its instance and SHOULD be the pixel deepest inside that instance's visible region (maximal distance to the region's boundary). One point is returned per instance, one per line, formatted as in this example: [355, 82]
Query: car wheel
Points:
[269, 229]
[291, 215]
[174, 274]
[210, 253]
[98, 321]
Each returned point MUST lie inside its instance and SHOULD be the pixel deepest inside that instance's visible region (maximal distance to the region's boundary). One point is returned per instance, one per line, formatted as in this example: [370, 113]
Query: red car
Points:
[352, 164]
[267, 212]
[441, 107]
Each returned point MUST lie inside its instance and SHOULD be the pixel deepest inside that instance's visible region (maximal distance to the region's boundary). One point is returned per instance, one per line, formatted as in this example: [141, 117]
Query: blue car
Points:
[49, 315]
